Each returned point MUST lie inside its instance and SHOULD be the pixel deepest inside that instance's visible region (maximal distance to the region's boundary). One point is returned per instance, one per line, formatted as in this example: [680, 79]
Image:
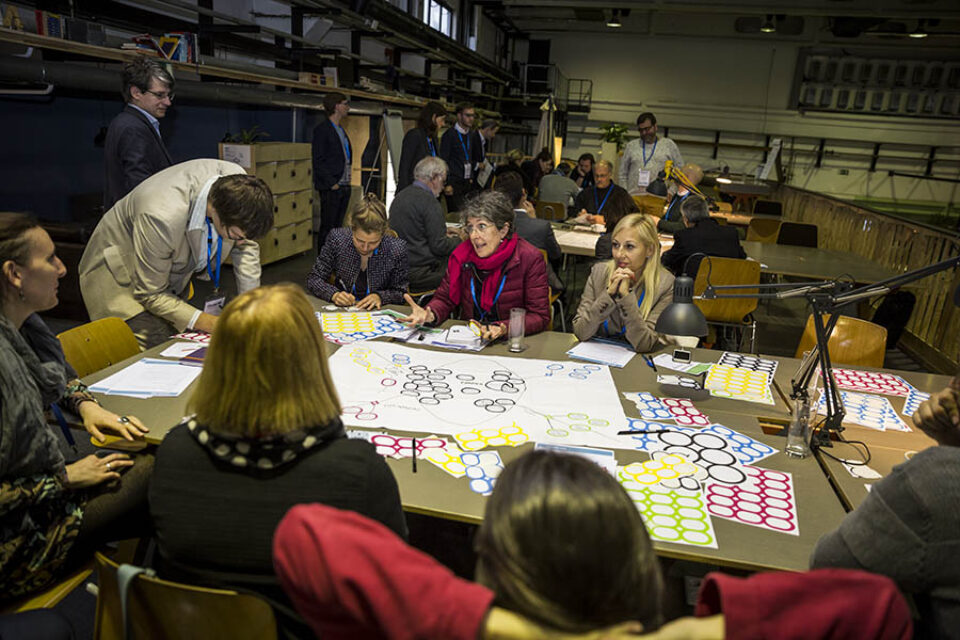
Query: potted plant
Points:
[615, 133]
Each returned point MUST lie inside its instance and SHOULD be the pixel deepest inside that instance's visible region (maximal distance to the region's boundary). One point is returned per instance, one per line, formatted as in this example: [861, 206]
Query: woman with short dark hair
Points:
[490, 273]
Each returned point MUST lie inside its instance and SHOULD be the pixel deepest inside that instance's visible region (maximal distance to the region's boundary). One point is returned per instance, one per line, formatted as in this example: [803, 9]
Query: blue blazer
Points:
[133, 152]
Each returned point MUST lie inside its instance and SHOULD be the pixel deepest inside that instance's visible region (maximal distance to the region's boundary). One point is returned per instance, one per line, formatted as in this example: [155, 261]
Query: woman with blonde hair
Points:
[367, 261]
[624, 296]
[266, 435]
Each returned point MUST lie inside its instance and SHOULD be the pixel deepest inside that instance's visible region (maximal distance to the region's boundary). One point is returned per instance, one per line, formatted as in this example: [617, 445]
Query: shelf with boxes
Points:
[287, 169]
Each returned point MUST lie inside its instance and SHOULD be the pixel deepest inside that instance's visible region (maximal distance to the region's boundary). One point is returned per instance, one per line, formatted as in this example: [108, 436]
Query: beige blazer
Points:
[596, 305]
[139, 257]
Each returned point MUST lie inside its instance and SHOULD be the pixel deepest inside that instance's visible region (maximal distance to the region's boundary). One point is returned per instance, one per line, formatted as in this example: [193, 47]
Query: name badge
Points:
[467, 171]
[214, 305]
[644, 178]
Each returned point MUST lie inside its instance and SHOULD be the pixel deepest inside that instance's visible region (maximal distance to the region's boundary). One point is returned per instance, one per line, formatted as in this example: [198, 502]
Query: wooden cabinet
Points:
[287, 169]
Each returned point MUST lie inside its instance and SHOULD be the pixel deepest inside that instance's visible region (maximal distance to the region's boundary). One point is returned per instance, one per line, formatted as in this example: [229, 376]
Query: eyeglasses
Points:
[162, 95]
[481, 228]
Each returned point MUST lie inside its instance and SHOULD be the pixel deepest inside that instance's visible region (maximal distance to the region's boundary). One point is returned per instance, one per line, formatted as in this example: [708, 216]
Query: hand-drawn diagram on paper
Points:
[384, 385]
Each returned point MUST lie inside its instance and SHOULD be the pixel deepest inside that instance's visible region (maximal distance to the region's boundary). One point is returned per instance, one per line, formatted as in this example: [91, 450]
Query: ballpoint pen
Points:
[649, 361]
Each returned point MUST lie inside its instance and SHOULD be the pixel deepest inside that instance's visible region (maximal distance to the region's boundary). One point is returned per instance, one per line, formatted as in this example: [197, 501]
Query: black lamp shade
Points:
[682, 317]
[658, 187]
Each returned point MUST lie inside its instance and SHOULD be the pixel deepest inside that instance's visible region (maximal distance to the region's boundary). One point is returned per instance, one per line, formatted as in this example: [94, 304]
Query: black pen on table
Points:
[413, 445]
[634, 433]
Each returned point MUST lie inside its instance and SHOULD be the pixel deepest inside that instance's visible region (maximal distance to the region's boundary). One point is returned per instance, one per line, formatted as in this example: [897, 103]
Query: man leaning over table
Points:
[181, 222]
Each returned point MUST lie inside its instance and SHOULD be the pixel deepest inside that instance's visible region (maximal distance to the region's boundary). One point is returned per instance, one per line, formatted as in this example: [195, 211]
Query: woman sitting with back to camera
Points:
[266, 435]
[367, 260]
[52, 514]
[624, 296]
[490, 273]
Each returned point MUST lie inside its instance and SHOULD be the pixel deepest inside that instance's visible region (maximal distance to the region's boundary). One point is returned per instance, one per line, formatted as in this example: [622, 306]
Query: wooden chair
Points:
[98, 344]
[551, 210]
[555, 300]
[768, 207]
[763, 230]
[162, 609]
[797, 234]
[853, 342]
[650, 204]
[729, 312]
[724, 207]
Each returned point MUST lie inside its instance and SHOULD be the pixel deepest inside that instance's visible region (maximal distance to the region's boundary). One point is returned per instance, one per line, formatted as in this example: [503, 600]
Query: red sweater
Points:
[827, 603]
[526, 286]
[351, 577]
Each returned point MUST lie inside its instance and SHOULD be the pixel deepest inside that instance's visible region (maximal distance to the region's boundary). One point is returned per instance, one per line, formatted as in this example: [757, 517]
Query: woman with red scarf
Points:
[489, 274]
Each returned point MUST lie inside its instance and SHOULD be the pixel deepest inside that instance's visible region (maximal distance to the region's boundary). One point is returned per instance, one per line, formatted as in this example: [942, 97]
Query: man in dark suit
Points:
[702, 234]
[458, 151]
[134, 150]
[536, 231]
[332, 160]
[482, 139]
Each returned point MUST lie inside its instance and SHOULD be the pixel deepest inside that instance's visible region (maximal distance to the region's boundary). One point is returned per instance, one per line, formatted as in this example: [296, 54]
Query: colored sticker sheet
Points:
[868, 410]
[872, 382]
[766, 501]
[476, 439]
[482, 469]
[913, 401]
[347, 327]
[671, 515]
[749, 362]
[447, 459]
[740, 383]
[385, 385]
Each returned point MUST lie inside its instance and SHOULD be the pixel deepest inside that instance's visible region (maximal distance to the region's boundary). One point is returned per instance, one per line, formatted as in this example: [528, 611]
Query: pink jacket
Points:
[526, 286]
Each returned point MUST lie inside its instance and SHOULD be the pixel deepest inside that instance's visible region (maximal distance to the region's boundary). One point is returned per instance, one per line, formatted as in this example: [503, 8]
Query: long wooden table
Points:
[814, 263]
[431, 491]
[887, 448]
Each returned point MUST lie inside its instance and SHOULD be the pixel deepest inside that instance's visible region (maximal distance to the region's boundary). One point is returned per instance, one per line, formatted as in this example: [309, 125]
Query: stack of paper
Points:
[149, 378]
[613, 355]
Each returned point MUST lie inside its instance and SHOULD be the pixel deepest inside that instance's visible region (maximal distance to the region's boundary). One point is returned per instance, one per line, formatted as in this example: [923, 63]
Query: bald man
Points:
[672, 220]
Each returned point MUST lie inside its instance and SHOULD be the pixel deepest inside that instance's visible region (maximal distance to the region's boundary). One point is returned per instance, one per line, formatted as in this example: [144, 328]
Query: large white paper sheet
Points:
[390, 386]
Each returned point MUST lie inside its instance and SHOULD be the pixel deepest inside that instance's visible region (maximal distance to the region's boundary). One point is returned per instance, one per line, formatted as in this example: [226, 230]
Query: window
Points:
[438, 16]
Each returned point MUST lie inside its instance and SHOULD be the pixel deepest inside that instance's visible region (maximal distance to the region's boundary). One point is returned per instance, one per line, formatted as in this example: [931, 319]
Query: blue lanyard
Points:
[623, 329]
[476, 303]
[652, 151]
[678, 201]
[433, 149]
[466, 147]
[344, 143]
[599, 204]
[210, 272]
[354, 289]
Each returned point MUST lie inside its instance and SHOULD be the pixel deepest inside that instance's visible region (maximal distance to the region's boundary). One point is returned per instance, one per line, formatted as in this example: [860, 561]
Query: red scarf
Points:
[464, 254]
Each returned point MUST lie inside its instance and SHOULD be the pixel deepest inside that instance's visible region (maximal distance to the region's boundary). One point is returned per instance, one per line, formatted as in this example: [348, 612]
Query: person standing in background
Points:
[420, 142]
[482, 140]
[457, 150]
[645, 157]
[134, 149]
[332, 160]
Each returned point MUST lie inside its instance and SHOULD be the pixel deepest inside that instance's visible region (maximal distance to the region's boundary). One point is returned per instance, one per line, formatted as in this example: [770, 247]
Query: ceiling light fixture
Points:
[768, 25]
[920, 31]
[614, 21]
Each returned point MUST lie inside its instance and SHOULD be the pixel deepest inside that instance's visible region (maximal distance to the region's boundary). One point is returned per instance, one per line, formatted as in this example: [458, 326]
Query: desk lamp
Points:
[659, 186]
[825, 298]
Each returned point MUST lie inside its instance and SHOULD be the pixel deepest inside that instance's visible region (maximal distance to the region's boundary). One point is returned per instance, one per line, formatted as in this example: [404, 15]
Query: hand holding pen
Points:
[343, 298]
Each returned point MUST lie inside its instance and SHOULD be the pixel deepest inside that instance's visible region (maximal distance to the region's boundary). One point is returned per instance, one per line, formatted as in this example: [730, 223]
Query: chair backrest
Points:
[98, 344]
[768, 207]
[853, 342]
[724, 207]
[551, 210]
[162, 609]
[650, 204]
[797, 234]
[727, 271]
[763, 230]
